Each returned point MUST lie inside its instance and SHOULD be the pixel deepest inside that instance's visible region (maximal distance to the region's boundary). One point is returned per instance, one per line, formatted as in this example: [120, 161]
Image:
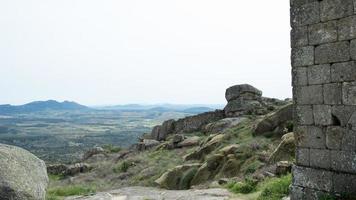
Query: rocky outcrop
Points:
[68, 170]
[178, 178]
[221, 125]
[242, 99]
[147, 144]
[188, 142]
[285, 150]
[185, 125]
[94, 151]
[275, 122]
[209, 145]
[23, 176]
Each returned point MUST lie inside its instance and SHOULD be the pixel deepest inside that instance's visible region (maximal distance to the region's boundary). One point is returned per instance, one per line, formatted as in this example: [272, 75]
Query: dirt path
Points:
[147, 193]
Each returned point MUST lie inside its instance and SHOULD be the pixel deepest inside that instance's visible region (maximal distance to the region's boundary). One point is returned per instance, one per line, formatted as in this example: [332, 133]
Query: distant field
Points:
[62, 136]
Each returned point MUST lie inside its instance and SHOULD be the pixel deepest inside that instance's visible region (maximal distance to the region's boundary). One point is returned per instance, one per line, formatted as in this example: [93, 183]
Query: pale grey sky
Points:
[142, 51]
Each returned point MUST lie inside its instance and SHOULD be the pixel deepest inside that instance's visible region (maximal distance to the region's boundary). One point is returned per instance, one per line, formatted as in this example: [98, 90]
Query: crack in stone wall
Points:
[323, 41]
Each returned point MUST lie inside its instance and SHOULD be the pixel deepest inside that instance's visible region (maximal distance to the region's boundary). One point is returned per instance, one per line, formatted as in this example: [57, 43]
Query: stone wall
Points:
[324, 90]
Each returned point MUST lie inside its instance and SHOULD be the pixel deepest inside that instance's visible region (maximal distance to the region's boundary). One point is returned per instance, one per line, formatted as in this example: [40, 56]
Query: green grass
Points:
[111, 148]
[122, 167]
[70, 190]
[246, 187]
[276, 188]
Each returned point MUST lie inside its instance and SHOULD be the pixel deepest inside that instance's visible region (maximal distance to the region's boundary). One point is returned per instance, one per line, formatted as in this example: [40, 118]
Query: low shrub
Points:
[122, 167]
[245, 187]
[276, 188]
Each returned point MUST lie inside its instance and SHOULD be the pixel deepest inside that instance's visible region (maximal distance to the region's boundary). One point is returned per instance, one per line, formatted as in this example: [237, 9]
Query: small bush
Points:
[122, 167]
[69, 190]
[276, 188]
[245, 187]
[112, 149]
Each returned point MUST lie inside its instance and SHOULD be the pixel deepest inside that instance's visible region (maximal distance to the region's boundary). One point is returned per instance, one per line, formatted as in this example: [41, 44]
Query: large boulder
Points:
[94, 151]
[178, 178]
[244, 100]
[190, 141]
[23, 176]
[147, 144]
[244, 90]
[275, 122]
[285, 150]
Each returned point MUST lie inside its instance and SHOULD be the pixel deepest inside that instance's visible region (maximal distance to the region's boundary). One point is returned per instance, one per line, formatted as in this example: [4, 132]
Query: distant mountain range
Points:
[52, 105]
[38, 106]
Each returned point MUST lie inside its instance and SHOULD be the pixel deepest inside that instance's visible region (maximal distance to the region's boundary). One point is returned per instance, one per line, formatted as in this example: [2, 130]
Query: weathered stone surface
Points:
[353, 49]
[285, 151]
[320, 158]
[312, 178]
[196, 122]
[22, 175]
[245, 90]
[241, 106]
[306, 95]
[210, 144]
[274, 120]
[335, 9]
[166, 129]
[155, 132]
[344, 161]
[323, 33]
[341, 72]
[172, 179]
[322, 115]
[303, 156]
[299, 36]
[302, 56]
[57, 169]
[230, 149]
[334, 137]
[76, 169]
[209, 169]
[310, 137]
[332, 94]
[304, 115]
[349, 93]
[347, 28]
[342, 114]
[305, 14]
[344, 184]
[332, 52]
[348, 142]
[221, 125]
[319, 74]
[94, 151]
[147, 144]
[299, 75]
[188, 142]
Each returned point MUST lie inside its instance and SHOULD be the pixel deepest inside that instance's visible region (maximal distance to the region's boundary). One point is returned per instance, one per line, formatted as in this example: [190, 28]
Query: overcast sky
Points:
[142, 51]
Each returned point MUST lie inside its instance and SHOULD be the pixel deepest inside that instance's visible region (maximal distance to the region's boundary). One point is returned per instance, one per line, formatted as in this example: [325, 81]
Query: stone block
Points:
[320, 158]
[302, 56]
[304, 115]
[299, 36]
[334, 137]
[330, 53]
[310, 137]
[303, 156]
[347, 28]
[297, 193]
[312, 178]
[349, 93]
[319, 74]
[345, 71]
[349, 141]
[353, 49]
[335, 9]
[322, 115]
[342, 114]
[300, 77]
[344, 184]
[344, 161]
[305, 14]
[332, 93]
[322, 33]
[294, 3]
[309, 94]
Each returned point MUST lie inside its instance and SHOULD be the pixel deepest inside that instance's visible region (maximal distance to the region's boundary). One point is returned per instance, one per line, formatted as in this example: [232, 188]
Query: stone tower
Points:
[324, 90]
